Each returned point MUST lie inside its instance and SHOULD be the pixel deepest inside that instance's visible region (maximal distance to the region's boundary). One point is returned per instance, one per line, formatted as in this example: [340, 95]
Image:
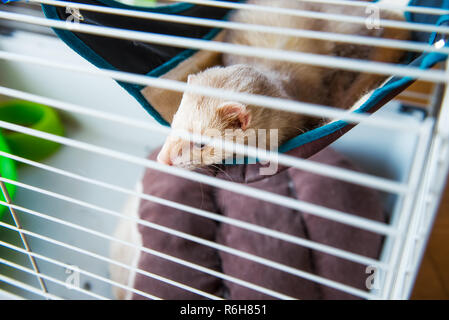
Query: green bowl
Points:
[34, 116]
[141, 3]
[8, 170]
[31, 115]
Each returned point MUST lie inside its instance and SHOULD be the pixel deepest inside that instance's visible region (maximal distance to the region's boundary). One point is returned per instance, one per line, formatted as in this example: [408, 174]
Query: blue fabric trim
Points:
[429, 60]
[408, 14]
[172, 63]
[87, 53]
[133, 89]
[440, 21]
[77, 45]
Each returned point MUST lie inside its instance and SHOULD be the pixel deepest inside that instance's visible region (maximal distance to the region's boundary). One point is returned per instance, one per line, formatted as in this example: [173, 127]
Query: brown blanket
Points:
[293, 183]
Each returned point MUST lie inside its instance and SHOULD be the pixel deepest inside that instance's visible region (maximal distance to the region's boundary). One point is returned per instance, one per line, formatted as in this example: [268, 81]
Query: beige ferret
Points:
[294, 81]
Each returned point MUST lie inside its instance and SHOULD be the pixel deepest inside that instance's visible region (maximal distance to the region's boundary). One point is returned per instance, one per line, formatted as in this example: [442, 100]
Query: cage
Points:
[62, 215]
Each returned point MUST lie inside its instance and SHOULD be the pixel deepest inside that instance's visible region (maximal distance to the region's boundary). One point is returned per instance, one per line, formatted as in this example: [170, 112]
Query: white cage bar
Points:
[416, 196]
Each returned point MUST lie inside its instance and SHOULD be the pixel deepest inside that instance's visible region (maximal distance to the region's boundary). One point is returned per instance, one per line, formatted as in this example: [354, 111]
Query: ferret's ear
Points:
[235, 114]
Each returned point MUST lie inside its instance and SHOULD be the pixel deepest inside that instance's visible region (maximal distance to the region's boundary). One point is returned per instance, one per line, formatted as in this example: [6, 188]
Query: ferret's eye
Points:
[199, 145]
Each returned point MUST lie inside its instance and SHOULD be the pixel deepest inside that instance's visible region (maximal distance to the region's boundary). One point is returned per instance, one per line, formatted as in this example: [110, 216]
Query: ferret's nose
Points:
[164, 158]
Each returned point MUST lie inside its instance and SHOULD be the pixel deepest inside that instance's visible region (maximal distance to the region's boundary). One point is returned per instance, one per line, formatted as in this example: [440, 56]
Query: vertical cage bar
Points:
[22, 236]
[405, 212]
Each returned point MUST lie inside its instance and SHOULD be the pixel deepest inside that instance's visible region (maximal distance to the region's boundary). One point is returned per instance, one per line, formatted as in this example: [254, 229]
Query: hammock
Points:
[156, 60]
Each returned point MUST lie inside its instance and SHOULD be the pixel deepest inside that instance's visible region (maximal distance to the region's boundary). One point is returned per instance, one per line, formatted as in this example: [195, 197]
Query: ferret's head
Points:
[221, 119]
